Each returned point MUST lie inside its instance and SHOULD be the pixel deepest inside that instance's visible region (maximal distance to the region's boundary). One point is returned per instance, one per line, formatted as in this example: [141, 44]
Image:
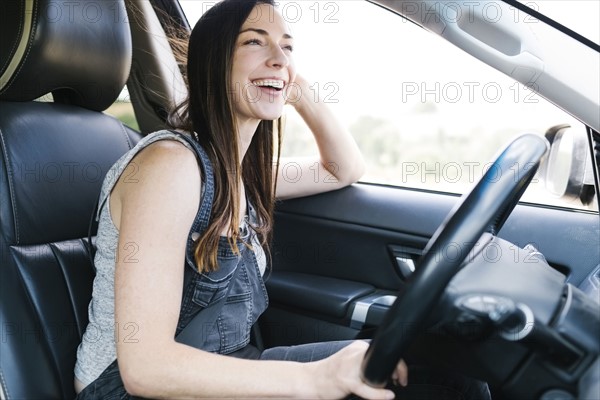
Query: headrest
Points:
[78, 50]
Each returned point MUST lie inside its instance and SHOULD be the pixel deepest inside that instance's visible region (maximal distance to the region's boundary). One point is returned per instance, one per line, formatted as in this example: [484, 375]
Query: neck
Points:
[246, 130]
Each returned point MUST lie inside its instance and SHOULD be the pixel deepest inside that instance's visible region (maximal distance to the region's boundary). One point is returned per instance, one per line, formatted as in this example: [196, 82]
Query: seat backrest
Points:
[53, 158]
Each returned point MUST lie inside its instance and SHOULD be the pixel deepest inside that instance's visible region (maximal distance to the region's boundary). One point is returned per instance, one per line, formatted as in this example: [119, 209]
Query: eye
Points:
[256, 42]
[288, 47]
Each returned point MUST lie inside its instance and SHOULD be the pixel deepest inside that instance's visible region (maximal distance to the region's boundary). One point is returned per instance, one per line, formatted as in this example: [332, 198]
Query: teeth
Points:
[278, 84]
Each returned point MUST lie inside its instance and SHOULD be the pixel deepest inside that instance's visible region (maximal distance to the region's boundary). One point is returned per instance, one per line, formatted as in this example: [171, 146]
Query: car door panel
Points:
[337, 255]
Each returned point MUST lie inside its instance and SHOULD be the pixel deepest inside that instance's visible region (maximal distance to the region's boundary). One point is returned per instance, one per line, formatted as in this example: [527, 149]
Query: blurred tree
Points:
[378, 139]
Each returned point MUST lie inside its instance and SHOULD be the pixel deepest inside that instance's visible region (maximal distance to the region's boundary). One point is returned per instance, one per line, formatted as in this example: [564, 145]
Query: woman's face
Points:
[262, 66]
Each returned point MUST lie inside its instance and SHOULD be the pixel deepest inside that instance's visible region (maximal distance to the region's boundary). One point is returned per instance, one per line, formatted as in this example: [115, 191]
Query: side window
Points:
[425, 114]
[122, 109]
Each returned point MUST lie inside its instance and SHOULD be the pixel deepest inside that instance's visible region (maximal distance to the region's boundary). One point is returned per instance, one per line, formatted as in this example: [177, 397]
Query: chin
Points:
[269, 115]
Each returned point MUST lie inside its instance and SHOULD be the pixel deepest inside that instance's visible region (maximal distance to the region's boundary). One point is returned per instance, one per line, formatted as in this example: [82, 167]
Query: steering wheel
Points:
[485, 208]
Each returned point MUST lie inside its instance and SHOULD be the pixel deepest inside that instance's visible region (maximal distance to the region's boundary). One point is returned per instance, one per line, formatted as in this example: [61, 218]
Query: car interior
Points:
[500, 291]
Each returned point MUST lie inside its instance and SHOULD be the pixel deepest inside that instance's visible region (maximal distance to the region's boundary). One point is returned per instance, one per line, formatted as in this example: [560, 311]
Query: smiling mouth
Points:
[269, 83]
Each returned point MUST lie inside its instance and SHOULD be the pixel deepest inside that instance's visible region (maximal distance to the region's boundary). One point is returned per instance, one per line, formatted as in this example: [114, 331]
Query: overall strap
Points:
[193, 334]
[202, 219]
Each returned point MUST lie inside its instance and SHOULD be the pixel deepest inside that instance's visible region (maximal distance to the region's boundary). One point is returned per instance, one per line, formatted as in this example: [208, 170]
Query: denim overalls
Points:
[246, 293]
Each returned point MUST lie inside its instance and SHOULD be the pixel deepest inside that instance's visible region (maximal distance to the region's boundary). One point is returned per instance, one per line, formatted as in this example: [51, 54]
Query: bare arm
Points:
[154, 216]
[339, 162]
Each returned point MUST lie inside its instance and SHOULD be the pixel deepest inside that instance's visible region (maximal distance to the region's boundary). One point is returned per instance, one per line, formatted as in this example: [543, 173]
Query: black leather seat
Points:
[53, 158]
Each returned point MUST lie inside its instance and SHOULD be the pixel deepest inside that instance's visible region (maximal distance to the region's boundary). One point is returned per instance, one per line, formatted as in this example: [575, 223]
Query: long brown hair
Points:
[208, 113]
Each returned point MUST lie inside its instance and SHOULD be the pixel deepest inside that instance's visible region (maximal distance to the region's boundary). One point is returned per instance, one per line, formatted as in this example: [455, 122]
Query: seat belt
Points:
[93, 226]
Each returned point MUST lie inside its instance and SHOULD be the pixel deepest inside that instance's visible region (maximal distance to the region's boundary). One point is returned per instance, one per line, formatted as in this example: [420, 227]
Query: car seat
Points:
[53, 158]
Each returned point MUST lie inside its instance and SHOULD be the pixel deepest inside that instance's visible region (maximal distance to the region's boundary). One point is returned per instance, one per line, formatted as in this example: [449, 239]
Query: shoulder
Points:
[167, 150]
[161, 173]
[166, 156]
[166, 169]
[163, 142]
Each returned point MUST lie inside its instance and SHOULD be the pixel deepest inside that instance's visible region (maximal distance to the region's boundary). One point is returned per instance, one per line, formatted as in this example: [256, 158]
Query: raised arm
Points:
[339, 162]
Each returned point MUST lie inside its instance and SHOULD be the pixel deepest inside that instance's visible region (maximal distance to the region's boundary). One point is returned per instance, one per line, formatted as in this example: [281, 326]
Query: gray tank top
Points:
[98, 348]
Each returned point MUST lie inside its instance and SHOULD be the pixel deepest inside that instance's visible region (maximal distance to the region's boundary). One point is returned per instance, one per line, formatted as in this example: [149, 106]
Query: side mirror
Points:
[568, 171]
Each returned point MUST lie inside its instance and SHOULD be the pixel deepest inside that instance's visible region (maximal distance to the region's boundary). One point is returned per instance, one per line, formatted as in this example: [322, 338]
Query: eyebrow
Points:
[265, 33]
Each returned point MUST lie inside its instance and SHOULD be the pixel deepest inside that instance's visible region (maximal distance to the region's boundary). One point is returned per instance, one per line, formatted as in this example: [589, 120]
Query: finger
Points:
[401, 373]
[367, 392]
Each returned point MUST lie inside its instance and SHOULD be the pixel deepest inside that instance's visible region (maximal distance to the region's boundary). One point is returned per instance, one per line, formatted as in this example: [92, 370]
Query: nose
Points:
[277, 59]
